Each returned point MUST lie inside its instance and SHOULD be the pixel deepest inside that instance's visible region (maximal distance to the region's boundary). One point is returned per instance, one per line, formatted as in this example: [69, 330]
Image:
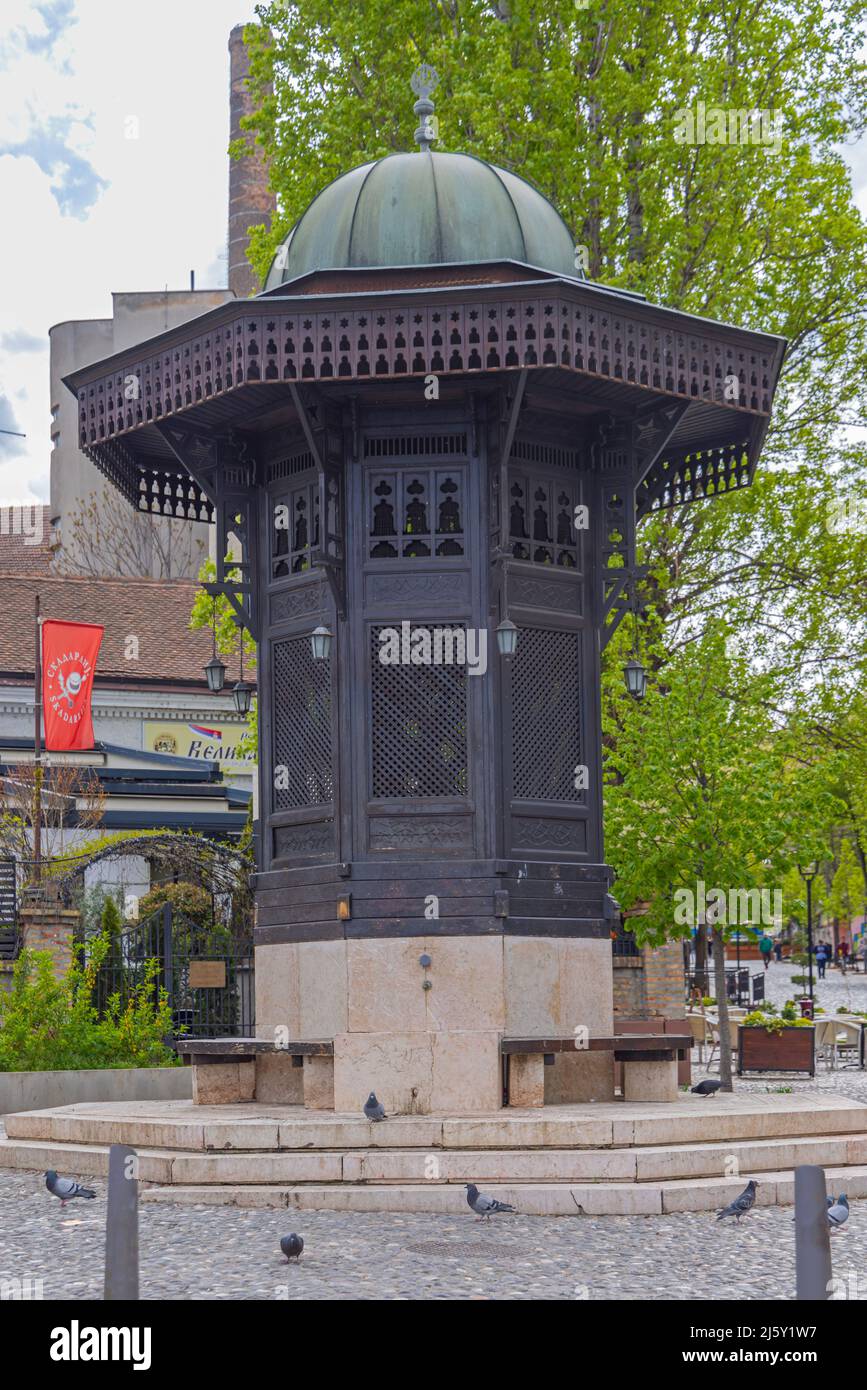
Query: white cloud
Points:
[87, 210]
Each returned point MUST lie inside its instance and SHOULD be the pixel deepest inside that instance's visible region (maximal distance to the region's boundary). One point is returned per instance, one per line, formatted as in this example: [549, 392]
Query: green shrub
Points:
[188, 899]
[48, 1024]
[758, 1019]
[110, 920]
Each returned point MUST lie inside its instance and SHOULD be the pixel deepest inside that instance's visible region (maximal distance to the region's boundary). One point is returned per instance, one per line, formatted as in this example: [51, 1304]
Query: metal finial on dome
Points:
[424, 80]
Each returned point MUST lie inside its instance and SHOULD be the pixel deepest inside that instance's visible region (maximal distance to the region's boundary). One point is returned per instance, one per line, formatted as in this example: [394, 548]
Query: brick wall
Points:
[650, 984]
[47, 927]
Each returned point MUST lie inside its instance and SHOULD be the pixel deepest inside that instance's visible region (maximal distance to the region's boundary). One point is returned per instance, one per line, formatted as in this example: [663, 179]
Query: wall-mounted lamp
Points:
[507, 639]
[321, 640]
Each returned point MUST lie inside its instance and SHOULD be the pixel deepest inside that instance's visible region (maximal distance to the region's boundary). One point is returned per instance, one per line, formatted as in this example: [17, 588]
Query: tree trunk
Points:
[701, 959]
[725, 1048]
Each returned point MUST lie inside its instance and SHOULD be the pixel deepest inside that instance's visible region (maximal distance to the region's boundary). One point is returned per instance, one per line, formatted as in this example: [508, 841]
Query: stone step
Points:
[402, 1166]
[530, 1199]
[691, 1120]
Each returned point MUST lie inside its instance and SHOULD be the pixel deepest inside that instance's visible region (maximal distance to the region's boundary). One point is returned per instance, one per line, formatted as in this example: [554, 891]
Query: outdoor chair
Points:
[734, 1031]
[702, 1032]
[836, 1035]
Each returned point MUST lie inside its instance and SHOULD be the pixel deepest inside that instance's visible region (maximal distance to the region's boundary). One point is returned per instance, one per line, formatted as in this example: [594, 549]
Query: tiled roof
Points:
[24, 539]
[155, 611]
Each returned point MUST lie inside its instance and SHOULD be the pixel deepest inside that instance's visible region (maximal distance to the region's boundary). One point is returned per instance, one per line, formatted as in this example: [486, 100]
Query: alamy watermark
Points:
[434, 646]
[22, 519]
[728, 125]
[846, 514]
[737, 907]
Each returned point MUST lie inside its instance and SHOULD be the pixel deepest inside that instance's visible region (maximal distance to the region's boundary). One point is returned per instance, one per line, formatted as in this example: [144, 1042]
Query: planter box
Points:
[791, 1049]
[41, 1090]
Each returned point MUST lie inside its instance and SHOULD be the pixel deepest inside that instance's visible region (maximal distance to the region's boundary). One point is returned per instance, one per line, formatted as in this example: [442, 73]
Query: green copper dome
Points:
[425, 209]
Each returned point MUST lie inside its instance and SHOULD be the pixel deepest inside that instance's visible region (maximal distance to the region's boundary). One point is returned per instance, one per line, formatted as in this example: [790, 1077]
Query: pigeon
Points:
[838, 1214]
[292, 1247]
[708, 1087]
[373, 1111]
[741, 1205]
[66, 1188]
[829, 1201]
[484, 1206]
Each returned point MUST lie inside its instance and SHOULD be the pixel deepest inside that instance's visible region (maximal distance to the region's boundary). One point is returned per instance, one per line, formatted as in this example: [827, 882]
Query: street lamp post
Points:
[808, 873]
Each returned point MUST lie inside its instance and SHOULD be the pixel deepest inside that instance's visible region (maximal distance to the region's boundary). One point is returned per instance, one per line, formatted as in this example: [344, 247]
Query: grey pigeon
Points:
[373, 1111]
[708, 1087]
[66, 1188]
[292, 1246]
[741, 1205]
[838, 1214]
[484, 1206]
[829, 1201]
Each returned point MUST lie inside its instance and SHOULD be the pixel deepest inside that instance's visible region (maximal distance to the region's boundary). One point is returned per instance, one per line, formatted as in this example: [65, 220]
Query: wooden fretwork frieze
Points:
[573, 329]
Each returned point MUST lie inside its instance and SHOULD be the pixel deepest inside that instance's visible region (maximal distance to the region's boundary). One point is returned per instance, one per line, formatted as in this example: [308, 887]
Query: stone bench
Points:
[229, 1070]
[649, 1073]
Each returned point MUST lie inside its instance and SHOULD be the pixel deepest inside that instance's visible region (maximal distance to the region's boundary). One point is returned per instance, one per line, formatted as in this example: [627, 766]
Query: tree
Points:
[70, 798]
[704, 801]
[588, 104]
[106, 536]
[847, 887]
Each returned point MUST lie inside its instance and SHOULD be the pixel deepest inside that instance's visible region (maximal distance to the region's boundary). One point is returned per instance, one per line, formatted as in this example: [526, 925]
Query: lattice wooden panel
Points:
[302, 726]
[546, 716]
[418, 726]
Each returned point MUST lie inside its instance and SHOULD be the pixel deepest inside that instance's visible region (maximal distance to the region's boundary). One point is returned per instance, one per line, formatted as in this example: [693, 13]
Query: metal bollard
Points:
[812, 1236]
[121, 1226]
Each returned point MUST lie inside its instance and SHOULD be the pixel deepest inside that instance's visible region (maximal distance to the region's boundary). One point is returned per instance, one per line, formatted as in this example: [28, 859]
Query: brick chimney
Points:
[250, 200]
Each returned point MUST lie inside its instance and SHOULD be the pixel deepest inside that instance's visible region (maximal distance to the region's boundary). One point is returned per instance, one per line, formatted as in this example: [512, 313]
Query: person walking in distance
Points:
[766, 945]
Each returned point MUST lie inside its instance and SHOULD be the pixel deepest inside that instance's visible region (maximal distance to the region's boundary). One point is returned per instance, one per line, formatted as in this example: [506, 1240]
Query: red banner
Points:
[69, 653]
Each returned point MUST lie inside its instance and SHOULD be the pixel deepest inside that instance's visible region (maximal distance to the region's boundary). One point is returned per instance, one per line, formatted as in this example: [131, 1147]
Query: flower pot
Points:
[788, 1049]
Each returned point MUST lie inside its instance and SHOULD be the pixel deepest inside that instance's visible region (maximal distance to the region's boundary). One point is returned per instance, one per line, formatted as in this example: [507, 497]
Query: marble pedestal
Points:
[426, 1039]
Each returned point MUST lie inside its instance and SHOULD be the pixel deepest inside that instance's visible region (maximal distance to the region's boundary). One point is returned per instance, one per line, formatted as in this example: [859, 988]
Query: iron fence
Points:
[740, 988]
[207, 973]
[623, 943]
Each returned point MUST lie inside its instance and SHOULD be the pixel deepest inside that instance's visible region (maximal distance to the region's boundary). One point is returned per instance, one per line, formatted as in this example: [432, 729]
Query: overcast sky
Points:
[86, 209]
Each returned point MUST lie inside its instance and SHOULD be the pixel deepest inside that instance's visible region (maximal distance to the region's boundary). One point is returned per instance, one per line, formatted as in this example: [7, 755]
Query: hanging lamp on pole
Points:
[215, 670]
[242, 691]
[634, 674]
[506, 632]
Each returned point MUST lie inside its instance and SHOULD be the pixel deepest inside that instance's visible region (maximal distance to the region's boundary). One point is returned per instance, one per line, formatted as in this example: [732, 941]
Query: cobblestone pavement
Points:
[835, 991]
[228, 1253]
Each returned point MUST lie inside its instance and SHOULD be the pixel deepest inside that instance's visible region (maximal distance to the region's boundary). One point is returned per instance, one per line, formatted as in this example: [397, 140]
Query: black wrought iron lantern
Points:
[242, 694]
[242, 691]
[215, 670]
[635, 676]
[216, 674]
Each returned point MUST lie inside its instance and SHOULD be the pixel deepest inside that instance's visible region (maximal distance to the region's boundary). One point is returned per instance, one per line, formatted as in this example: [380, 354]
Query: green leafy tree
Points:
[702, 788]
[847, 888]
[588, 103]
